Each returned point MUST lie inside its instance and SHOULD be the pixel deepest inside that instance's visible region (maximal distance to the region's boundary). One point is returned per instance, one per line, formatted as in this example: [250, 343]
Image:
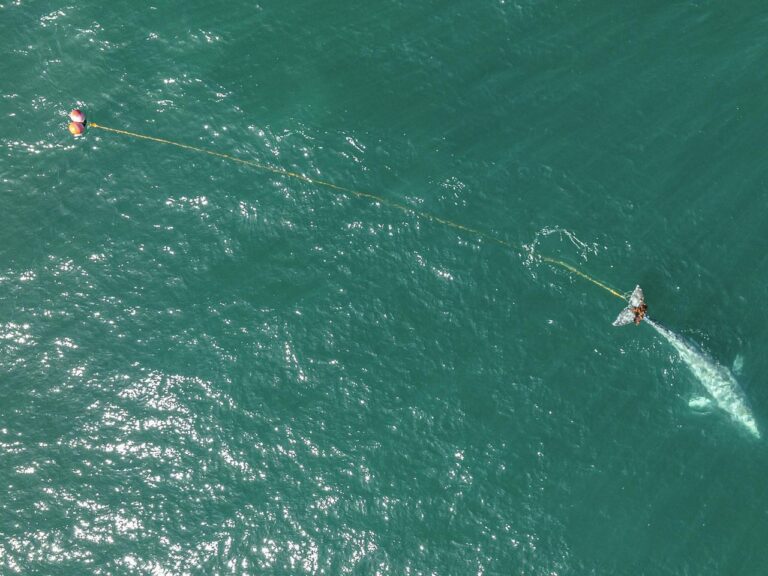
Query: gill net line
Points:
[360, 194]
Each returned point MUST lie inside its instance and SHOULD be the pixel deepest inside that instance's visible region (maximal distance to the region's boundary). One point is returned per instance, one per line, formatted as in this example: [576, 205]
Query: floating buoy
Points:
[77, 116]
[76, 128]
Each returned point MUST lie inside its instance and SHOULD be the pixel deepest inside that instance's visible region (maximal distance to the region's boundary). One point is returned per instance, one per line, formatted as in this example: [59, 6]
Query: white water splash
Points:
[718, 380]
[531, 248]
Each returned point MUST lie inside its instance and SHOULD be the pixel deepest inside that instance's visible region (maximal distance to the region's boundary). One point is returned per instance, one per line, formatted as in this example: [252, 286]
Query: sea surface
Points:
[214, 368]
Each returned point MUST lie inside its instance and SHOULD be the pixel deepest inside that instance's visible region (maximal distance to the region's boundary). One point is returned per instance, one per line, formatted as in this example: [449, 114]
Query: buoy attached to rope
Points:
[76, 128]
[77, 124]
[77, 116]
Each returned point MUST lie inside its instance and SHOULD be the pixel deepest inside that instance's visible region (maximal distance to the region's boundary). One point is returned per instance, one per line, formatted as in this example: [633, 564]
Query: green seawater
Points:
[207, 368]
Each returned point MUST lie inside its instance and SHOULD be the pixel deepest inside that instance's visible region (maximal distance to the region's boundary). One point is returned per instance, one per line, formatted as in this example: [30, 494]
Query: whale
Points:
[717, 380]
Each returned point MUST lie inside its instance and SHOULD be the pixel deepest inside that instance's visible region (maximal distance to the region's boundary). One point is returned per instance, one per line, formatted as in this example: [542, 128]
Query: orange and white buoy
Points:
[76, 128]
[77, 125]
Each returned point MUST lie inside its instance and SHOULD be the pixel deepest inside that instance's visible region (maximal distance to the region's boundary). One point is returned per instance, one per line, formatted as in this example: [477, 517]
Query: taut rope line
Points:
[360, 194]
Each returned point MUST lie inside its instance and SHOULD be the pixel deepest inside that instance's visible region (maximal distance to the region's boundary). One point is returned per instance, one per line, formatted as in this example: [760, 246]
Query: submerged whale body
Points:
[718, 381]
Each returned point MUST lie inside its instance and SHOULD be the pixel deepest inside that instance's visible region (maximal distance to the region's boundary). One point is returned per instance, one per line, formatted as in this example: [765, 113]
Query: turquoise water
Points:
[211, 369]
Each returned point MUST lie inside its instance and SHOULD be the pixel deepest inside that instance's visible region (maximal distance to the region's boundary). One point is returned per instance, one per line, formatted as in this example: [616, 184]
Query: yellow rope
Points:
[359, 194]
[583, 275]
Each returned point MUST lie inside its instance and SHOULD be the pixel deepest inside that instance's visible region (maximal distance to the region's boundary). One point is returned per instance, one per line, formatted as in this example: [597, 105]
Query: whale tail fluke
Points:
[635, 311]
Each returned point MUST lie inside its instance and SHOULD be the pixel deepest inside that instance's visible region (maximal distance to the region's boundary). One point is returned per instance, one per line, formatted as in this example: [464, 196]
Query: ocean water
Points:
[208, 368]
